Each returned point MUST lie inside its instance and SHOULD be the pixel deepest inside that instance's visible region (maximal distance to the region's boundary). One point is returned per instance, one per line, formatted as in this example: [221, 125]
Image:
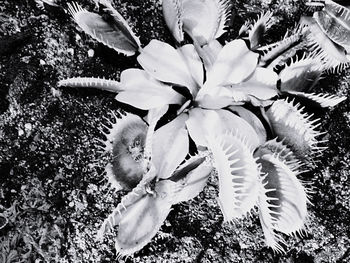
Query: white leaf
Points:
[126, 141]
[153, 117]
[167, 64]
[283, 201]
[114, 32]
[252, 119]
[144, 92]
[140, 215]
[193, 181]
[172, 12]
[205, 20]
[262, 84]
[238, 174]
[234, 64]
[203, 122]
[170, 146]
[293, 126]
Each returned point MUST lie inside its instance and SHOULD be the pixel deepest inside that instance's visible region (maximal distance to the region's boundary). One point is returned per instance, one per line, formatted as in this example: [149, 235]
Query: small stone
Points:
[70, 51]
[20, 132]
[55, 92]
[71, 204]
[91, 53]
[77, 37]
[42, 62]
[25, 59]
[28, 126]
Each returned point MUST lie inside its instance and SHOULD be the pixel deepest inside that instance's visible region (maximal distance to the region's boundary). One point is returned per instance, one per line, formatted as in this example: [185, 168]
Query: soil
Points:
[53, 191]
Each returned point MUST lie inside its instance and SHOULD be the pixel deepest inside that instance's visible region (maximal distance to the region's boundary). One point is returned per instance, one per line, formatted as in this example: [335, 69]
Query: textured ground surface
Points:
[52, 190]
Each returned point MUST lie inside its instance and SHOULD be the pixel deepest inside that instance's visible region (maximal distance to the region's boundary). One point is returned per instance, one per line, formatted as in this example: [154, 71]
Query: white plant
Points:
[231, 100]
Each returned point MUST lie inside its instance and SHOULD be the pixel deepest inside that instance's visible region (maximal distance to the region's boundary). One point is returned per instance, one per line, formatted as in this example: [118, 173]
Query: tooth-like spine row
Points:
[267, 219]
[324, 100]
[333, 62]
[299, 121]
[294, 166]
[76, 11]
[92, 82]
[284, 152]
[141, 192]
[74, 8]
[119, 17]
[229, 153]
[179, 11]
[111, 221]
[281, 152]
[273, 51]
[270, 218]
[224, 13]
[263, 18]
[312, 3]
[342, 11]
[327, 100]
[308, 59]
[114, 128]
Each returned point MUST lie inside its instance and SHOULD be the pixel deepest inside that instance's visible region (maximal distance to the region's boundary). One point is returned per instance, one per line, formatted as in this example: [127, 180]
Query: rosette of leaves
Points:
[233, 101]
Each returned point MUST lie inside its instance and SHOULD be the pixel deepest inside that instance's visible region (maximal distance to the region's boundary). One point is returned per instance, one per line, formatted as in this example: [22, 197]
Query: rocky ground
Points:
[52, 188]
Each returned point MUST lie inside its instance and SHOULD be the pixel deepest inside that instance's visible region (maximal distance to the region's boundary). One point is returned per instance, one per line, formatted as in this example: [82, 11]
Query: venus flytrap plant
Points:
[221, 96]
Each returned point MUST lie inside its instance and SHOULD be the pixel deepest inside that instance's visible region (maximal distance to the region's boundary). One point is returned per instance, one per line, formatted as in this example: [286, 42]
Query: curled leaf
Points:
[334, 20]
[140, 215]
[258, 29]
[203, 20]
[334, 56]
[238, 174]
[301, 74]
[209, 53]
[294, 127]
[274, 146]
[172, 12]
[126, 141]
[114, 32]
[141, 221]
[275, 52]
[283, 201]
